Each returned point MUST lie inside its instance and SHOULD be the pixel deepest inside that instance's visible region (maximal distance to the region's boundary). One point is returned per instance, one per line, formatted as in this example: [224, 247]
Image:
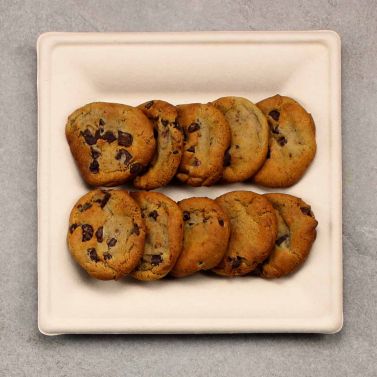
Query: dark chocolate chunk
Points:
[281, 239]
[186, 215]
[149, 104]
[94, 167]
[275, 130]
[136, 168]
[227, 158]
[306, 211]
[95, 154]
[105, 199]
[109, 137]
[99, 234]
[124, 139]
[193, 127]
[72, 228]
[274, 114]
[164, 122]
[282, 141]
[135, 229]
[153, 214]
[191, 149]
[87, 232]
[112, 242]
[92, 253]
[156, 260]
[89, 138]
[107, 256]
[85, 207]
[123, 152]
[101, 122]
[221, 222]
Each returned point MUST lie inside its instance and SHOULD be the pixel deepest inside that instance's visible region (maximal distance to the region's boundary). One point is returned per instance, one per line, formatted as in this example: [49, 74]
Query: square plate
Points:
[75, 68]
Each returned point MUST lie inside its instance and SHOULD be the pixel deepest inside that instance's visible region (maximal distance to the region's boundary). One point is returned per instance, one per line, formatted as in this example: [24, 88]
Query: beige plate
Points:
[74, 69]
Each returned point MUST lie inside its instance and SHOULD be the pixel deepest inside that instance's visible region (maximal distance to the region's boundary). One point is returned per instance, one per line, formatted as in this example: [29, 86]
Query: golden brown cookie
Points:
[207, 137]
[296, 234]
[164, 235]
[253, 232]
[249, 141]
[206, 236]
[111, 143]
[106, 233]
[292, 144]
[168, 154]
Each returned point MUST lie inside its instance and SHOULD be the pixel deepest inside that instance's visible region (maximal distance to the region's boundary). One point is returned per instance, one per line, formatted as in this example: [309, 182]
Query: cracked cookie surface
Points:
[253, 232]
[169, 137]
[164, 234]
[207, 137]
[111, 143]
[249, 138]
[296, 234]
[292, 144]
[106, 233]
[206, 236]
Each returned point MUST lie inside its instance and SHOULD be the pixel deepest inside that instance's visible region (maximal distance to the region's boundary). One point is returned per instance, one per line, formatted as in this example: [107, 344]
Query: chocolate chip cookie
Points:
[106, 233]
[164, 234]
[207, 137]
[292, 144]
[253, 232]
[111, 143]
[169, 137]
[206, 236]
[296, 234]
[249, 138]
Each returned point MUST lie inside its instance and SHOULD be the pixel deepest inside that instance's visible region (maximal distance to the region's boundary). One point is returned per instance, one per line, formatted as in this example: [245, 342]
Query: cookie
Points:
[292, 144]
[106, 233]
[207, 137]
[296, 234]
[164, 234]
[169, 137]
[249, 138]
[253, 232]
[111, 143]
[206, 236]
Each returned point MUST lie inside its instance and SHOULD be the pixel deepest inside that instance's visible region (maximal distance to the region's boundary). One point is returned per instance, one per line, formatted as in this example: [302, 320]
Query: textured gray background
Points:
[25, 352]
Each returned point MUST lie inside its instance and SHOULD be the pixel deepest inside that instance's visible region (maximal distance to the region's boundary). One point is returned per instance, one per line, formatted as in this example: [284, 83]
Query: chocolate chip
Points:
[153, 214]
[124, 139]
[107, 256]
[282, 141]
[127, 156]
[94, 167]
[101, 122]
[155, 133]
[156, 260]
[135, 229]
[193, 127]
[109, 137]
[235, 262]
[105, 199]
[85, 207]
[221, 222]
[227, 158]
[136, 168]
[186, 215]
[175, 152]
[275, 130]
[164, 122]
[95, 154]
[274, 114]
[196, 162]
[89, 138]
[306, 211]
[99, 234]
[149, 104]
[112, 242]
[191, 149]
[92, 253]
[72, 228]
[87, 232]
[281, 239]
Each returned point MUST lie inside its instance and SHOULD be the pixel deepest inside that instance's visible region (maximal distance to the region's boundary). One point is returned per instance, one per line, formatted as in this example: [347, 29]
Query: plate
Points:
[131, 68]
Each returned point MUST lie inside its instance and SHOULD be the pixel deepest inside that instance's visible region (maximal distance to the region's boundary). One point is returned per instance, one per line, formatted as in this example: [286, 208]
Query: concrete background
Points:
[25, 352]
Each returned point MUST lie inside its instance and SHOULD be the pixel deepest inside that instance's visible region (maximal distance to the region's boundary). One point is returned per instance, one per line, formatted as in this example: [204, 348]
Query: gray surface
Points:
[23, 351]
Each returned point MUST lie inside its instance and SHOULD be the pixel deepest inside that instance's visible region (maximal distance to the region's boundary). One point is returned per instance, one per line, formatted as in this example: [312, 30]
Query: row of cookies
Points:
[113, 233]
[229, 140]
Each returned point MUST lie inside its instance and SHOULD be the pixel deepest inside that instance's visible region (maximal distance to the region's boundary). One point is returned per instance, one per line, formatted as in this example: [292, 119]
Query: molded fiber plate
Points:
[75, 68]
